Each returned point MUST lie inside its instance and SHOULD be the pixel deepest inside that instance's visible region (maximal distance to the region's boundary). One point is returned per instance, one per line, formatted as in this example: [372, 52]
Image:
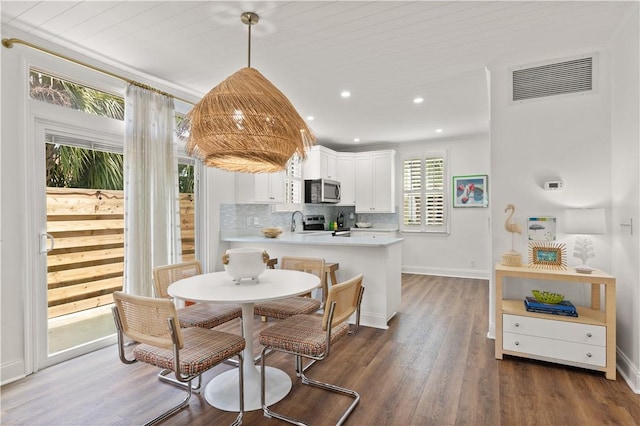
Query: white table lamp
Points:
[584, 222]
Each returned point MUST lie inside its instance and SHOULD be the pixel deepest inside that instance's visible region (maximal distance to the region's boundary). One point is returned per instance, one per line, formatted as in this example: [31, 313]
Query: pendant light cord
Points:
[249, 49]
[249, 18]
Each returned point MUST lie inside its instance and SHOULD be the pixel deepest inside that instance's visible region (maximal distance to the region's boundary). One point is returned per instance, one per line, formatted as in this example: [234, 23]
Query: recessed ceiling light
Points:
[356, 139]
[418, 100]
[345, 94]
[310, 117]
[438, 130]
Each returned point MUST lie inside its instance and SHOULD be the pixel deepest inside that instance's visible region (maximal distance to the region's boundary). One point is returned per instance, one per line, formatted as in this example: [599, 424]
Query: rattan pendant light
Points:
[245, 124]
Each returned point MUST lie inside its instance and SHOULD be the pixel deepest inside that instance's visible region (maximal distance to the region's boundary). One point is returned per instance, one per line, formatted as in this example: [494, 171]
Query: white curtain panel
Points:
[152, 207]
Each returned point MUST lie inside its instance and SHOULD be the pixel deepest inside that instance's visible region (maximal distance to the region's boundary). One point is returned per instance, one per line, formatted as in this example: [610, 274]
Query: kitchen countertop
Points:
[316, 238]
[376, 229]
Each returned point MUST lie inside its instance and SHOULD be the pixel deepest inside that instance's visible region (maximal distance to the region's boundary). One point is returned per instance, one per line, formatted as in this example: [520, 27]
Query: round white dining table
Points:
[218, 287]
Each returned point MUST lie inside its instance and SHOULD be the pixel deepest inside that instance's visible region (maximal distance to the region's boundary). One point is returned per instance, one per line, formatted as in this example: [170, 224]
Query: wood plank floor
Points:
[433, 366]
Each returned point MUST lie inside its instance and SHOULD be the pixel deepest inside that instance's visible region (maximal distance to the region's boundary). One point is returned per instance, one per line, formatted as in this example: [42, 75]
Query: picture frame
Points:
[541, 228]
[547, 255]
[470, 191]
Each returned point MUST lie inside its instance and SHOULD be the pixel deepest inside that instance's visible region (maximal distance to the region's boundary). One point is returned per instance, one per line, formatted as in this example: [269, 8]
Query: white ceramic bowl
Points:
[363, 225]
[243, 263]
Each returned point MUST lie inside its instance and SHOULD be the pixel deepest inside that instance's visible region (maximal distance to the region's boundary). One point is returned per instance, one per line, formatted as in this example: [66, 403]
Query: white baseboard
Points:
[491, 334]
[629, 372]
[447, 272]
[11, 371]
[372, 320]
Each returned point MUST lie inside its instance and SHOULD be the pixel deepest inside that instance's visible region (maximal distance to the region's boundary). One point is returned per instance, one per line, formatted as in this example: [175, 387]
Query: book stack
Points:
[565, 307]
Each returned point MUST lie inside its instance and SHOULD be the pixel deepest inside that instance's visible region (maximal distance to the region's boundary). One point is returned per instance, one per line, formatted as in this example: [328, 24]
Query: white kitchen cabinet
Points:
[588, 340]
[260, 188]
[320, 163]
[375, 188]
[346, 175]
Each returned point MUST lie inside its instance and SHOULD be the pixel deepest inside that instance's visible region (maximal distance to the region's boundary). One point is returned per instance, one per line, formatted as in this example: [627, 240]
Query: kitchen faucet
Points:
[293, 220]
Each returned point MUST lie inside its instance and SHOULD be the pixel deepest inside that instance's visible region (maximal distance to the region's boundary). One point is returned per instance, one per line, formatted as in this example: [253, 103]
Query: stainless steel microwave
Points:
[317, 191]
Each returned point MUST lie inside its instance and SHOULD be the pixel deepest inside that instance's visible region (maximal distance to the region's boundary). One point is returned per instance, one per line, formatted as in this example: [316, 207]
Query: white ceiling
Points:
[385, 53]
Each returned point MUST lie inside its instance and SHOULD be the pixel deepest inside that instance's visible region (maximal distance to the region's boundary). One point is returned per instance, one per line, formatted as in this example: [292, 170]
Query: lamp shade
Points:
[585, 221]
[245, 124]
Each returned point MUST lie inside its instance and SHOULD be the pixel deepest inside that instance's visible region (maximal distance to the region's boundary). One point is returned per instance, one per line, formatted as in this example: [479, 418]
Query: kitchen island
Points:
[378, 259]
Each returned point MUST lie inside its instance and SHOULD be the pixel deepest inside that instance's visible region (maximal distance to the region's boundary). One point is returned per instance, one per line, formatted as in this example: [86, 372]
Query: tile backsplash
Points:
[250, 218]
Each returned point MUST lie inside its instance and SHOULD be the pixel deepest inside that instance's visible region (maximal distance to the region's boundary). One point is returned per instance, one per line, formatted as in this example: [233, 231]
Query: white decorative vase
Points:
[243, 263]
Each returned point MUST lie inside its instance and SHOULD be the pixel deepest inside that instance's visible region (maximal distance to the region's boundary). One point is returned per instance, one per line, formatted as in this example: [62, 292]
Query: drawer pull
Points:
[588, 334]
[517, 324]
[517, 343]
[588, 354]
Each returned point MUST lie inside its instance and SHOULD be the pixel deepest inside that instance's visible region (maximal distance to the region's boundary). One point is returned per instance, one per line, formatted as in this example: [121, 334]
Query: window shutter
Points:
[434, 189]
[293, 181]
[434, 174]
[412, 183]
[424, 193]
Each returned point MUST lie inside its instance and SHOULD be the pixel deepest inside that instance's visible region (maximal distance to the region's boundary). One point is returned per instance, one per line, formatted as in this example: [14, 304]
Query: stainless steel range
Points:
[313, 222]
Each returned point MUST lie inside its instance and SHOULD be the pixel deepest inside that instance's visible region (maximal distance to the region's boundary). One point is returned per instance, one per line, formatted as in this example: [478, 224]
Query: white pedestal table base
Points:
[222, 390]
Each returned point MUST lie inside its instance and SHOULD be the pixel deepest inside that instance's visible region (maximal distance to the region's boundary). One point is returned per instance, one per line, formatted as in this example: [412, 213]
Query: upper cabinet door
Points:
[260, 188]
[346, 175]
[375, 182]
[320, 163]
[364, 184]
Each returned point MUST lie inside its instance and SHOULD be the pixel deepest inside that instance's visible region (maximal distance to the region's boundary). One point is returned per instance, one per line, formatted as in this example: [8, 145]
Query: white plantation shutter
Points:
[424, 193]
[434, 191]
[293, 181]
[412, 187]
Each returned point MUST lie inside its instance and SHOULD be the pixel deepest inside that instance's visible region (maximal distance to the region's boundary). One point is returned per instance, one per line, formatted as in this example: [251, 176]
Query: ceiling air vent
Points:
[553, 79]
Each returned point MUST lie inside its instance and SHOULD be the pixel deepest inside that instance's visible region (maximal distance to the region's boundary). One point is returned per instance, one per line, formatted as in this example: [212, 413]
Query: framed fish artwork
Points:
[470, 191]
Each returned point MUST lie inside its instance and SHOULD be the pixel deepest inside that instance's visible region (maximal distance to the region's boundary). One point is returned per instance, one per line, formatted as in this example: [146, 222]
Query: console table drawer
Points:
[557, 349]
[555, 329]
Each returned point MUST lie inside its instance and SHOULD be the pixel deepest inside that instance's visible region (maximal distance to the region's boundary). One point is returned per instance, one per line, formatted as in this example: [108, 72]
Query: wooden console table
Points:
[587, 341]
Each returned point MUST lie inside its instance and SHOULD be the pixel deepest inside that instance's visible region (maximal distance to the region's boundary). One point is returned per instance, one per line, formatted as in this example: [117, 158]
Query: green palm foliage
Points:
[185, 178]
[75, 167]
[64, 93]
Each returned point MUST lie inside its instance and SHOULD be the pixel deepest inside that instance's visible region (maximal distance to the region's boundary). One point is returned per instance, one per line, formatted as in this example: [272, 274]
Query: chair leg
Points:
[238, 420]
[188, 386]
[263, 387]
[163, 376]
[173, 410]
[333, 388]
[307, 381]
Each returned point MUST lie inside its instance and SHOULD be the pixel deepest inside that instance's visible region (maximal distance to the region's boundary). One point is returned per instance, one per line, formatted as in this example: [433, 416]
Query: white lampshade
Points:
[585, 221]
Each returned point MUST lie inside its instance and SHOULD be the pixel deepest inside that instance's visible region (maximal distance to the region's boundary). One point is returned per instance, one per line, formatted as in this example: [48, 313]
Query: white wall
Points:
[625, 247]
[468, 240]
[220, 189]
[566, 137]
[573, 138]
[14, 227]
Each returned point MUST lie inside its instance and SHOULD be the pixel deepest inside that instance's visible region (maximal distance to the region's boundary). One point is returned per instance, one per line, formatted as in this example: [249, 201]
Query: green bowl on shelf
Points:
[547, 297]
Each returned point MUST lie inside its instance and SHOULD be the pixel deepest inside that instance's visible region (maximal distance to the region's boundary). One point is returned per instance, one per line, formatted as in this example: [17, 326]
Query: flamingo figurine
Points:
[512, 258]
[514, 228]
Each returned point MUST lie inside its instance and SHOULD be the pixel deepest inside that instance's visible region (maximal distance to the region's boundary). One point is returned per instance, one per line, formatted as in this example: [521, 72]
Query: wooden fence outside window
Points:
[87, 262]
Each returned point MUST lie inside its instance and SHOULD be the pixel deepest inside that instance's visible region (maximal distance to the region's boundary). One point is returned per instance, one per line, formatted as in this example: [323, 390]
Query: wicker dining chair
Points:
[204, 315]
[284, 308]
[188, 352]
[311, 337]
